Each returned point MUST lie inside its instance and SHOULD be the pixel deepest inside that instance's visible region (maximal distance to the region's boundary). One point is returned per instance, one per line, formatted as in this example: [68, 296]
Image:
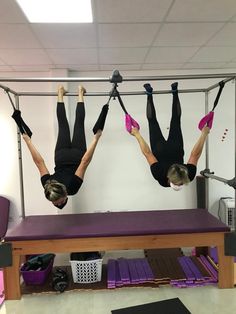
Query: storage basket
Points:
[36, 277]
[86, 271]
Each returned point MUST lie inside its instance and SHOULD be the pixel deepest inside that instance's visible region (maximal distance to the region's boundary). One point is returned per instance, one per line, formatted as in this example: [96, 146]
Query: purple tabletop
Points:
[116, 224]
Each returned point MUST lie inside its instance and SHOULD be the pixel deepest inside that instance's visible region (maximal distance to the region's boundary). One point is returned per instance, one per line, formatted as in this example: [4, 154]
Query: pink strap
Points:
[130, 122]
[207, 120]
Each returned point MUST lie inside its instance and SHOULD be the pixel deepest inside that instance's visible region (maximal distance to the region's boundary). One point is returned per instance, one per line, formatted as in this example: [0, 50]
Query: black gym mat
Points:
[170, 306]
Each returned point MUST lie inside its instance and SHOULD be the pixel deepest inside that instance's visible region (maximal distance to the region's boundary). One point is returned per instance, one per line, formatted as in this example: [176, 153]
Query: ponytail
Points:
[54, 190]
[178, 174]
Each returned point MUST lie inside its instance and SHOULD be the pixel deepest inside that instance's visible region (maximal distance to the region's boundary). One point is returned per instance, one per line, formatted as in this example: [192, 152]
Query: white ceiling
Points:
[126, 34]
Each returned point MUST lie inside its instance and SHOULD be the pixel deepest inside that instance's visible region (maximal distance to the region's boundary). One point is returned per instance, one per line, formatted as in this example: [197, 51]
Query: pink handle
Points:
[130, 122]
[207, 120]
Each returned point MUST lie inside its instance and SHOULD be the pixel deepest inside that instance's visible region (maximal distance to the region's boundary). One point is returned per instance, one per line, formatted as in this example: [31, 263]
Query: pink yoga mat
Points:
[1, 288]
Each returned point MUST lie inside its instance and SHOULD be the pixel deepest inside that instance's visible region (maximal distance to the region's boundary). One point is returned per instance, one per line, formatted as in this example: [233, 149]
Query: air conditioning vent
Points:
[227, 211]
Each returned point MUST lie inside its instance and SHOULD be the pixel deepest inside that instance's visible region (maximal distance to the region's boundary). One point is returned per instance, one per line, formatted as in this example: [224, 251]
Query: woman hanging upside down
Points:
[71, 157]
[166, 157]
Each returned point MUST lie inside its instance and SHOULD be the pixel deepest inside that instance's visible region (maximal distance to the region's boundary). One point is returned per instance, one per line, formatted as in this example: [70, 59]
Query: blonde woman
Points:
[166, 157]
[71, 156]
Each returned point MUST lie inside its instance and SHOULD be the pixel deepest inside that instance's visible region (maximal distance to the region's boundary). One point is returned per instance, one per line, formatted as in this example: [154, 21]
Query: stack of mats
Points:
[165, 266]
[169, 266]
[198, 272]
[213, 259]
[162, 266]
[122, 272]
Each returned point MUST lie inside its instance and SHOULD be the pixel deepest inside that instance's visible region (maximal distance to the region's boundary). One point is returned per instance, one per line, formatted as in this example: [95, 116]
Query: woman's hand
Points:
[98, 134]
[206, 130]
[26, 137]
[134, 131]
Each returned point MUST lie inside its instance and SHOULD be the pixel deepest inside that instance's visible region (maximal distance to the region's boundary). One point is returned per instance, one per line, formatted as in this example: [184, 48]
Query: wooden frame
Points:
[27, 247]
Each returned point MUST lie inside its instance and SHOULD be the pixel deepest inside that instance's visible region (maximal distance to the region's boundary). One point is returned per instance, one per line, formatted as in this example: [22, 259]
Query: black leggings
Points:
[171, 149]
[69, 151]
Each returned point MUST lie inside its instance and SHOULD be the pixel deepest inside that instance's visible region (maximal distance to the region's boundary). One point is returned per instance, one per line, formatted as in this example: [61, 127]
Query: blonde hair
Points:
[178, 174]
[54, 190]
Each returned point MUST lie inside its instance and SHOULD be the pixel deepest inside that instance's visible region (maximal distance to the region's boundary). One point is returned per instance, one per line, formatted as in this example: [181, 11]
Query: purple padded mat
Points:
[4, 215]
[116, 224]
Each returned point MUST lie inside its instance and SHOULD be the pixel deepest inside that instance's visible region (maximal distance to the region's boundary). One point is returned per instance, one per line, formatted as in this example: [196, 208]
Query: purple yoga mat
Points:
[188, 272]
[124, 270]
[194, 269]
[140, 270]
[209, 267]
[119, 282]
[148, 270]
[214, 255]
[134, 278]
[111, 273]
[128, 271]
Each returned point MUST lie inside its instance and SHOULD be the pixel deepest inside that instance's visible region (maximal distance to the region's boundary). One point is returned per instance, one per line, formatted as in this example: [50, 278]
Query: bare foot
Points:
[81, 90]
[61, 90]
[60, 93]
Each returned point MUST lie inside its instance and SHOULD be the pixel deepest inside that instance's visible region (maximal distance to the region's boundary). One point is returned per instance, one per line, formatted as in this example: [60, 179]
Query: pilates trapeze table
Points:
[108, 231]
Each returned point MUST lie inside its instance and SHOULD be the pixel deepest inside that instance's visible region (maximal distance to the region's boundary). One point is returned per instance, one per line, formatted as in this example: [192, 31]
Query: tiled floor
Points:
[199, 300]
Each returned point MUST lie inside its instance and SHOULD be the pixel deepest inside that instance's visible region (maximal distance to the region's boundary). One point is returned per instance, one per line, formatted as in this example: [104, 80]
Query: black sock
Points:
[174, 87]
[21, 124]
[99, 125]
[148, 88]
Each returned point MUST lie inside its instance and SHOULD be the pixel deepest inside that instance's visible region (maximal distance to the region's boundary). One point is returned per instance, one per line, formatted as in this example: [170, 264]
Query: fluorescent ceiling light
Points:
[56, 11]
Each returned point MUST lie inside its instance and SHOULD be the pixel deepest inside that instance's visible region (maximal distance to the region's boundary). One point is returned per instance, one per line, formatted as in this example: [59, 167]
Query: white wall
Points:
[118, 177]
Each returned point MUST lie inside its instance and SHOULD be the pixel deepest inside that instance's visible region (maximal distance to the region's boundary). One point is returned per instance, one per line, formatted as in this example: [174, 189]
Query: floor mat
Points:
[170, 306]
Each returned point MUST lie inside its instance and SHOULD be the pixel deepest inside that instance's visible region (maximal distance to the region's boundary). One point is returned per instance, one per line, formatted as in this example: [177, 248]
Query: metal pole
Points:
[234, 227]
[108, 94]
[217, 84]
[5, 88]
[22, 198]
[207, 174]
[207, 153]
[128, 78]
[212, 176]
[177, 77]
[86, 79]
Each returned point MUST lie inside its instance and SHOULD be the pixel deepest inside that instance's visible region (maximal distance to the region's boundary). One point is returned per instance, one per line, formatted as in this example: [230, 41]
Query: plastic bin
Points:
[86, 271]
[36, 277]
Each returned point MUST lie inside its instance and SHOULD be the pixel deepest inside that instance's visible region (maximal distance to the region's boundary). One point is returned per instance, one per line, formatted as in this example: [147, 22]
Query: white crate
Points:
[86, 271]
